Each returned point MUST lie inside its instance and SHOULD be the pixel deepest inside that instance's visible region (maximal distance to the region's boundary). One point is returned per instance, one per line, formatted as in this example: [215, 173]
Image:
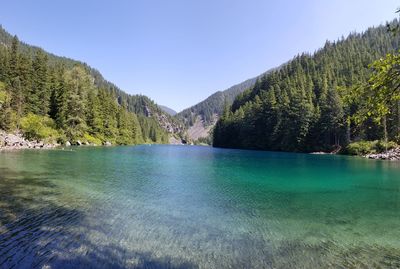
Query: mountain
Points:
[201, 118]
[214, 104]
[168, 110]
[155, 124]
[304, 105]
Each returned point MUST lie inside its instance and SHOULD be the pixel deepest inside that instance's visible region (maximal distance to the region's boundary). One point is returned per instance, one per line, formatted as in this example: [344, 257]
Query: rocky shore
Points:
[17, 141]
[391, 155]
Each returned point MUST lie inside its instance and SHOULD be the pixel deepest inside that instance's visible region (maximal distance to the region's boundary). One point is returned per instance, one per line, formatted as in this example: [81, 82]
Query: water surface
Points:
[196, 207]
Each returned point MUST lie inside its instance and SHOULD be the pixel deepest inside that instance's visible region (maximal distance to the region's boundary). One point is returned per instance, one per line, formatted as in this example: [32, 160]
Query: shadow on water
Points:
[42, 227]
[37, 232]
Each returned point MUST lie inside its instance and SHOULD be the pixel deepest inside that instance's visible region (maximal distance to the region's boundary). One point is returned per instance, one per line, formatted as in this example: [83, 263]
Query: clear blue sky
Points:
[177, 51]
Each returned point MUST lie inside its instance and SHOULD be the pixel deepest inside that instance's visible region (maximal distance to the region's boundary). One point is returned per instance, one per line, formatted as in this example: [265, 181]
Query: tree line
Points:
[320, 101]
[53, 99]
[213, 105]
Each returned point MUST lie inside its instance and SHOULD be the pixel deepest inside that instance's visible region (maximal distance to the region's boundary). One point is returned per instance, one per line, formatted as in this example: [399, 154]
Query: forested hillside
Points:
[201, 118]
[304, 105]
[51, 97]
[214, 104]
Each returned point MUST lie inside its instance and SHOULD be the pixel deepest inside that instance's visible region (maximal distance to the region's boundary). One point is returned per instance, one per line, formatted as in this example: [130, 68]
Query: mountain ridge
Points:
[303, 106]
[168, 110]
[136, 103]
[201, 117]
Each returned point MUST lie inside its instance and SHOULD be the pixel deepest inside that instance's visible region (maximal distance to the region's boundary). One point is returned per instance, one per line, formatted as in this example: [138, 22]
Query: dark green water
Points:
[196, 207]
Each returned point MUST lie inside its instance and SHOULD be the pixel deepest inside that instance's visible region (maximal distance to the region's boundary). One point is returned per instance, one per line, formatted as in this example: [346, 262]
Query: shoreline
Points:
[16, 141]
[389, 155]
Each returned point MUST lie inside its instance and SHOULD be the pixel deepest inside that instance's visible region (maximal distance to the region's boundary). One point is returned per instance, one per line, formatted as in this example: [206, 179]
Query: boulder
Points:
[107, 143]
[11, 141]
[67, 144]
[392, 155]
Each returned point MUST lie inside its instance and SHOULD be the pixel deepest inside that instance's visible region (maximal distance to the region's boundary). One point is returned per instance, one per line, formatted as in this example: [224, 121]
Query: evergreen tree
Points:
[298, 107]
[40, 92]
[39, 96]
[77, 83]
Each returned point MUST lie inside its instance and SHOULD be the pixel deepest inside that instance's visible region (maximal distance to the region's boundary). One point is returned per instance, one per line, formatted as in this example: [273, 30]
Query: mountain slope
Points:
[143, 106]
[300, 107]
[201, 118]
[168, 110]
[214, 104]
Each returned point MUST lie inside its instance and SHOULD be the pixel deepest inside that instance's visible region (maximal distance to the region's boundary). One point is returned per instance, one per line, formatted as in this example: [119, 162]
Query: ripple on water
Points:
[191, 207]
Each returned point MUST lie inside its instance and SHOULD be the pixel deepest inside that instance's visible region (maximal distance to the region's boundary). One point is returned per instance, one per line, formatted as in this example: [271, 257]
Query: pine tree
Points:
[13, 59]
[76, 83]
[39, 96]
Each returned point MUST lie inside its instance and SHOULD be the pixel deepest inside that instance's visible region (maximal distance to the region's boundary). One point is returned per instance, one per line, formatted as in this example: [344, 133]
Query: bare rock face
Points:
[391, 155]
[165, 122]
[174, 141]
[199, 129]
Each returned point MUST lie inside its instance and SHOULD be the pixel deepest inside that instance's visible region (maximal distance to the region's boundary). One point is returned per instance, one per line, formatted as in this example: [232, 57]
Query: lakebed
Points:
[196, 207]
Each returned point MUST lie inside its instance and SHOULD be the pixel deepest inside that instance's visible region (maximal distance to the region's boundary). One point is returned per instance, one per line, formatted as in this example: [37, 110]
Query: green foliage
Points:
[361, 148]
[38, 94]
[375, 98]
[204, 141]
[214, 104]
[308, 103]
[151, 132]
[3, 94]
[8, 117]
[368, 147]
[39, 128]
[382, 146]
[59, 98]
[91, 139]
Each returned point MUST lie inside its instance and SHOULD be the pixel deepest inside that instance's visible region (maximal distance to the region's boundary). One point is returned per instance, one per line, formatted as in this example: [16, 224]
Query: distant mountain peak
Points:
[168, 110]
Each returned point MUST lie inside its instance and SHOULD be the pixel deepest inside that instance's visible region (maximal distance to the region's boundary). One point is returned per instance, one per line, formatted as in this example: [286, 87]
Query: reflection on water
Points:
[196, 207]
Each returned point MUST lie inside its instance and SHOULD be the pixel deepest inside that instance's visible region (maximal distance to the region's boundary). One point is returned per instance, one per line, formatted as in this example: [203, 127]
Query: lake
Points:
[196, 207]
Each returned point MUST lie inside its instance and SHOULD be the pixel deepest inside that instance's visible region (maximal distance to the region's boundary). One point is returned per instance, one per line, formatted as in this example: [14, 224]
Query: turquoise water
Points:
[196, 207]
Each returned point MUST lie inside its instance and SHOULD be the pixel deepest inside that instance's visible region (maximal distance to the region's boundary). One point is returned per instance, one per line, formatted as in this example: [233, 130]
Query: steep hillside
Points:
[214, 104]
[141, 105]
[201, 118]
[303, 106]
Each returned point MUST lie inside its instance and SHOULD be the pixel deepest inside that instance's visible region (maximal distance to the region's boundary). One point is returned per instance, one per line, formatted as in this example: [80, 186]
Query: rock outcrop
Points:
[199, 129]
[175, 141]
[391, 155]
[166, 121]
[17, 141]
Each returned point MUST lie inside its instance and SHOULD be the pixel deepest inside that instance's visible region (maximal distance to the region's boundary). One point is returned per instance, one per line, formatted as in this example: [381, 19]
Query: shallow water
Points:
[196, 207]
